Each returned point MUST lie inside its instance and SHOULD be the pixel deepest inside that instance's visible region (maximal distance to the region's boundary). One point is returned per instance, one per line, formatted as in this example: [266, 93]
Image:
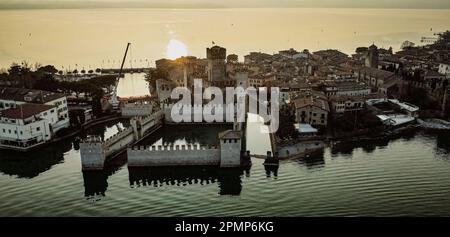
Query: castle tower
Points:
[216, 63]
[372, 57]
[230, 148]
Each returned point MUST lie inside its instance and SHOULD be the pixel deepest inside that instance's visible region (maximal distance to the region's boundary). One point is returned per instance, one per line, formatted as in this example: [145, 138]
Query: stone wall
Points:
[92, 155]
[94, 151]
[173, 155]
[230, 152]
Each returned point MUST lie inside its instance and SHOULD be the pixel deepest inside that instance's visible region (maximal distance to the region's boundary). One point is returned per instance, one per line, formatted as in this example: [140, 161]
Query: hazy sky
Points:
[225, 3]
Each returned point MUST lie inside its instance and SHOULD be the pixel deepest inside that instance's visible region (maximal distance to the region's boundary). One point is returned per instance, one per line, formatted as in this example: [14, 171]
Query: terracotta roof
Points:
[376, 72]
[28, 95]
[24, 111]
[312, 101]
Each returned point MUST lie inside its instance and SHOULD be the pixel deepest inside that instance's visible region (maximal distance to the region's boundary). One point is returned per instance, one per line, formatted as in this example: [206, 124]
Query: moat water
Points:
[405, 176]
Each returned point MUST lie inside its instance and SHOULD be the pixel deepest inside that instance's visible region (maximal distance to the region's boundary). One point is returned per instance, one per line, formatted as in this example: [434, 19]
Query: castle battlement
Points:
[173, 148]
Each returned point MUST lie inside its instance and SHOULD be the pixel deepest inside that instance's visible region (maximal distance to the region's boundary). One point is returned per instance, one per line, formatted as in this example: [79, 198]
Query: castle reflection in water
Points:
[229, 181]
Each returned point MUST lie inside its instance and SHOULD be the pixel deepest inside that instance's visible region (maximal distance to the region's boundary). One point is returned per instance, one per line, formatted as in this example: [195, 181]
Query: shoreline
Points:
[334, 142]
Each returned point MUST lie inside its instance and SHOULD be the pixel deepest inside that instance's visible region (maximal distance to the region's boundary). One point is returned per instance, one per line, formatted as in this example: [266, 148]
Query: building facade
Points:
[27, 125]
[13, 97]
[311, 110]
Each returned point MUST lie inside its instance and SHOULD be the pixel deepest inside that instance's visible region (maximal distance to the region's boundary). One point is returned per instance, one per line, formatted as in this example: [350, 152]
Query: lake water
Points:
[91, 38]
[133, 85]
[406, 176]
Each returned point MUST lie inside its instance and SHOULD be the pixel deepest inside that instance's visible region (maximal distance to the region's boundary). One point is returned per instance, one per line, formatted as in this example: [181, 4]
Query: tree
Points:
[48, 69]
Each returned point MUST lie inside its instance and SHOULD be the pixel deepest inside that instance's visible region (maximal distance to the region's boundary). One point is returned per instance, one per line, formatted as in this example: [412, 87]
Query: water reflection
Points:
[133, 84]
[106, 130]
[346, 148]
[271, 170]
[31, 164]
[315, 160]
[96, 182]
[443, 144]
[228, 180]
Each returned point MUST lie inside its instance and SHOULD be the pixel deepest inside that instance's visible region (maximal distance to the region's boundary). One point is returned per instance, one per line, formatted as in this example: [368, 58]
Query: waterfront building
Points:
[13, 97]
[312, 110]
[27, 125]
[342, 104]
[393, 112]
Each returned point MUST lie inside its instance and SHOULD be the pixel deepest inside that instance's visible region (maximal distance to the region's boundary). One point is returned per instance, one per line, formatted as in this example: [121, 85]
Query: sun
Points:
[176, 49]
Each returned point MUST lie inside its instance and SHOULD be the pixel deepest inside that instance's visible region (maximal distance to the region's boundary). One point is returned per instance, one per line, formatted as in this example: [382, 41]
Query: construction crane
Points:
[114, 101]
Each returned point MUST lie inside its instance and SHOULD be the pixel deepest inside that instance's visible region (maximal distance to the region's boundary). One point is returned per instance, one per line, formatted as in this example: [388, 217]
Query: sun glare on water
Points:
[176, 49]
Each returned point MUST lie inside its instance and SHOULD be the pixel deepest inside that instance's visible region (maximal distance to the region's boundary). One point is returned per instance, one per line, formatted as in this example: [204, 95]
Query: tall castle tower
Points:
[372, 57]
[216, 63]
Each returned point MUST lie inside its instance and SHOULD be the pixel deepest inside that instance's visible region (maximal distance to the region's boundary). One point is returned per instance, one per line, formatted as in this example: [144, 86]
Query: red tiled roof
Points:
[24, 111]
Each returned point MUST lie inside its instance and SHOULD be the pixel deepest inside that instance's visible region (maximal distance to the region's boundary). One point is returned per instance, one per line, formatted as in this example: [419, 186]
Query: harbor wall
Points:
[184, 155]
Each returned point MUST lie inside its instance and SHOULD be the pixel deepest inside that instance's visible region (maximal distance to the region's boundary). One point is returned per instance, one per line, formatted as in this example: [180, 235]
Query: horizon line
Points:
[119, 6]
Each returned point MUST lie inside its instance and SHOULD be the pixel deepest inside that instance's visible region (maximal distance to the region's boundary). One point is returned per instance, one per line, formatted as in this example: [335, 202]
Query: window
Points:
[38, 129]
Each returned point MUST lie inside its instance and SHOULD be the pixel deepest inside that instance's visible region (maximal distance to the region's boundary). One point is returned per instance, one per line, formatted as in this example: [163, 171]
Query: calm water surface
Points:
[97, 37]
[406, 176]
